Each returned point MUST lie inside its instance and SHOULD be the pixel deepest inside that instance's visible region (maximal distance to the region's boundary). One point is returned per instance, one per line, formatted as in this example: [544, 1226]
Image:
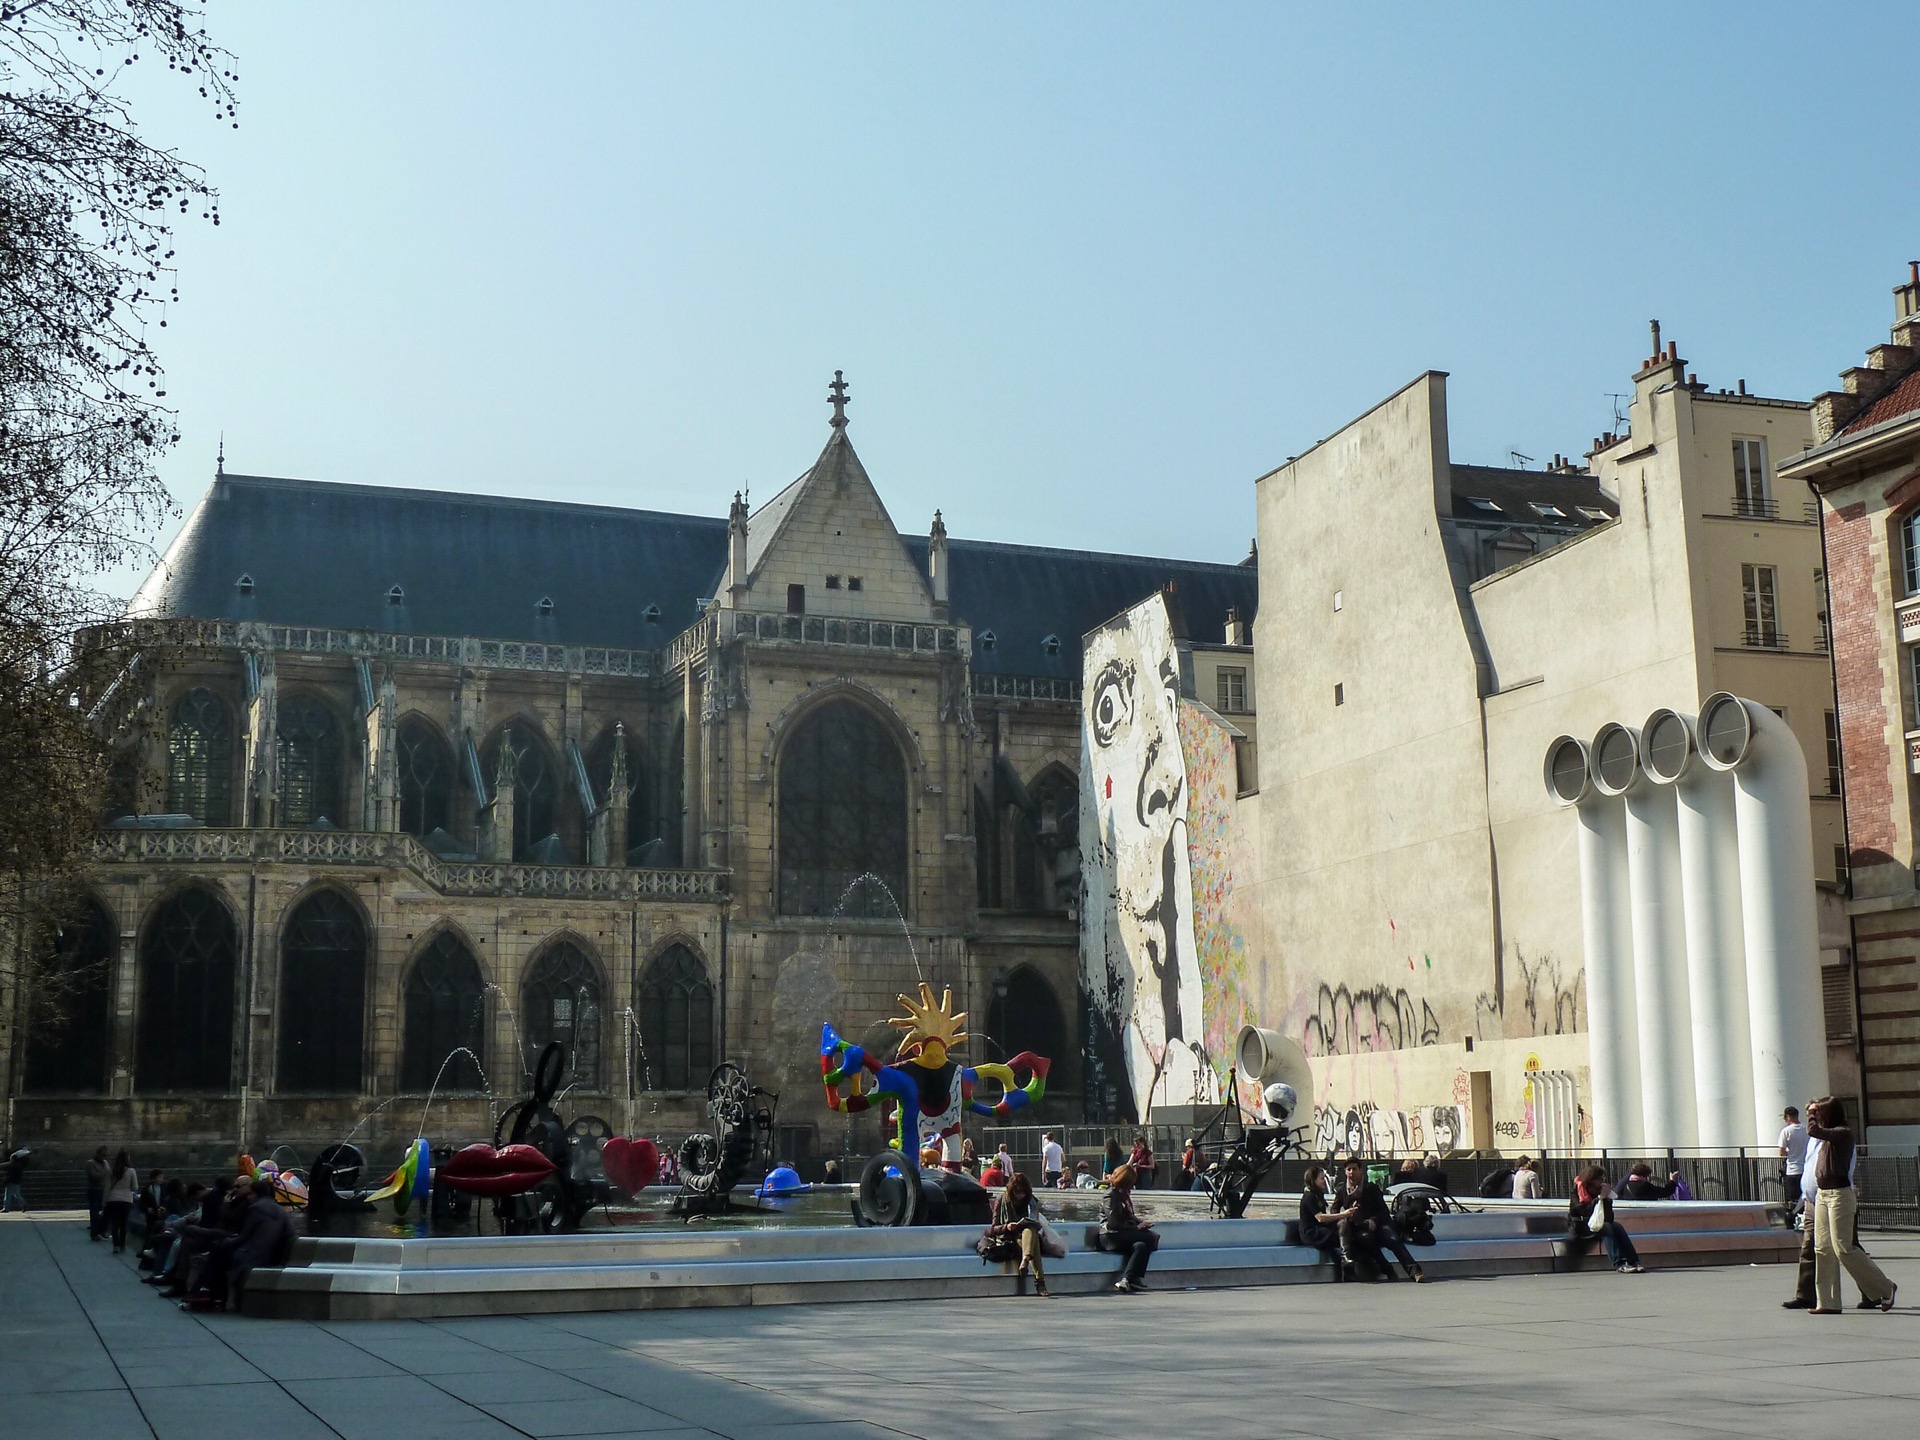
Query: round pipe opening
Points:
[1616, 759]
[1666, 746]
[1726, 731]
[1566, 770]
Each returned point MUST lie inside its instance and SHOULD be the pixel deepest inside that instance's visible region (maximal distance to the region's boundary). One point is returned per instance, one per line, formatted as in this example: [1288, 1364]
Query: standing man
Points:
[16, 1166]
[1793, 1157]
[97, 1193]
[1053, 1161]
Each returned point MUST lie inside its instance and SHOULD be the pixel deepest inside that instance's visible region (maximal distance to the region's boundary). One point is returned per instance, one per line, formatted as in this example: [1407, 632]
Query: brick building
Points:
[1865, 464]
[409, 783]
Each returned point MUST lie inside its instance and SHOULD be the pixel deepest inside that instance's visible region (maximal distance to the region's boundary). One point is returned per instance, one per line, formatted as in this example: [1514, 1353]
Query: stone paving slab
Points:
[1688, 1355]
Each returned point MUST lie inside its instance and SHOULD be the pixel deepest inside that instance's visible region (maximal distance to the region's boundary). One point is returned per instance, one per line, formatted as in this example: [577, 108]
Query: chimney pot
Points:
[1913, 272]
[1743, 387]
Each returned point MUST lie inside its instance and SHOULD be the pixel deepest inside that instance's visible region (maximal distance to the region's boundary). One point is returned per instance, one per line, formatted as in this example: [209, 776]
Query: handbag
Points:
[1053, 1245]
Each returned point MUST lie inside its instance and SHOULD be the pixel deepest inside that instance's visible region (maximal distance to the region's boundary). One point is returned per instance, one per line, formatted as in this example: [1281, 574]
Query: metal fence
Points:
[1889, 1184]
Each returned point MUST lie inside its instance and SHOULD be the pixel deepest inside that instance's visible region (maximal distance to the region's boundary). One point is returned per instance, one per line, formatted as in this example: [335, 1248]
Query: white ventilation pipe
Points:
[1606, 928]
[1659, 940]
[1782, 935]
[1716, 955]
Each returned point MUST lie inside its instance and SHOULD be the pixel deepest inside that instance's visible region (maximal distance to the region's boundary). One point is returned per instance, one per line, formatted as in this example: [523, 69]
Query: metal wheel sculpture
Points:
[711, 1165]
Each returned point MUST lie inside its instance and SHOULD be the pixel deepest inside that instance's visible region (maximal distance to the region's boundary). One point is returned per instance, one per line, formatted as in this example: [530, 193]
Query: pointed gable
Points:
[831, 523]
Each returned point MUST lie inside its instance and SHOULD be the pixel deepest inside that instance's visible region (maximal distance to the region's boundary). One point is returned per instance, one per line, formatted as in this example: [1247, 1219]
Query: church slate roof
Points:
[326, 554]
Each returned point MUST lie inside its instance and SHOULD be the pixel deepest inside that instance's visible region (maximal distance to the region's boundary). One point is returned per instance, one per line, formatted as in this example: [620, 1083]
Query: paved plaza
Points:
[87, 1351]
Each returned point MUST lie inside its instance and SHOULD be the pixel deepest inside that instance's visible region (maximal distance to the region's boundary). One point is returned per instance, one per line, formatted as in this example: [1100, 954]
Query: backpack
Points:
[1498, 1185]
[1413, 1218]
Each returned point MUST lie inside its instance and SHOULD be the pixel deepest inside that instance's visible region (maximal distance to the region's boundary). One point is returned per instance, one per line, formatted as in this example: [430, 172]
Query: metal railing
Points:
[1764, 637]
[468, 651]
[1756, 507]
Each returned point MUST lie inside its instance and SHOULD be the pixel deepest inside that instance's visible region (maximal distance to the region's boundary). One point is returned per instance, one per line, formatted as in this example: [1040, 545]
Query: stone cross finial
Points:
[837, 395]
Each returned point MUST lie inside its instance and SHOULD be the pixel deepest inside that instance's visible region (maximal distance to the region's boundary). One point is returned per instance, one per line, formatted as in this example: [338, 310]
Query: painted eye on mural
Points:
[1112, 705]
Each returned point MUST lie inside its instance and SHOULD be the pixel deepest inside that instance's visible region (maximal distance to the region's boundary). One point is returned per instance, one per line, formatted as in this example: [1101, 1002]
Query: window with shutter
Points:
[1836, 994]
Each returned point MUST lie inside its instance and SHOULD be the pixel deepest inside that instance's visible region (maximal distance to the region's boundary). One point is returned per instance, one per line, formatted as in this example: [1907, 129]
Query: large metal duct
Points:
[1659, 939]
[1716, 956]
[1606, 928]
[1781, 933]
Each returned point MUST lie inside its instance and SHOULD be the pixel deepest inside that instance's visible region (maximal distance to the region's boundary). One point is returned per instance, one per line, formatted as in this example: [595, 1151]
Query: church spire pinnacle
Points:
[837, 396]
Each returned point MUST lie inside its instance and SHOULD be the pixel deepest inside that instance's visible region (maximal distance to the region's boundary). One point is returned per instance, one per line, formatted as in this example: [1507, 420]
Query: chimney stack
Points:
[1906, 298]
[1239, 632]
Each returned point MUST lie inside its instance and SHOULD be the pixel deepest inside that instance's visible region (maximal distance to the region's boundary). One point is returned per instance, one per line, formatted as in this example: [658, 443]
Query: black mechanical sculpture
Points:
[712, 1164]
[561, 1201]
[1241, 1154]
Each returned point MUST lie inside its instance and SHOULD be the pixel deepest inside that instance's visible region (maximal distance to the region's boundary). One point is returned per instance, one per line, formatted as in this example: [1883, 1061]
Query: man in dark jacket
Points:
[1640, 1184]
[1368, 1229]
[264, 1238]
[97, 1193]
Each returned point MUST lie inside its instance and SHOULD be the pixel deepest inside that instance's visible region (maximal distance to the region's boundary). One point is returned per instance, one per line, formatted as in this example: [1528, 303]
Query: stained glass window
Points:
[561, 1001]
[426, 778]
[67, 1039]
[535, 790]
[185, 1039]
[843, 815]
[200, 759]
[445, 1013]
[676, 1022]
[323, 987]
[310, 770]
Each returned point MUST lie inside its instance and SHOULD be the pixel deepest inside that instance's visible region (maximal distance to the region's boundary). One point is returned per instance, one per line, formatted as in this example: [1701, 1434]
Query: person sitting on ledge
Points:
[1640, 1184]
[1590, 1218]
[1526, 1179]
[1083, 1176]
[830, 1173]
[1016, 1232]
[1368, 1231]
[1319, 1221]
[1123, 1232]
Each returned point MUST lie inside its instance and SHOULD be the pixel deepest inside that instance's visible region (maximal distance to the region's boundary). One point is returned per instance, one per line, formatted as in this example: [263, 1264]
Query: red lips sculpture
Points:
[483, 1170]
[631, 1164]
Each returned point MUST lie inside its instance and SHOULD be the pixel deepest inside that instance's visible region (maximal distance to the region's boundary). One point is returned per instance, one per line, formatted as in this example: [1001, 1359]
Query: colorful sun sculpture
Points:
[925, 1081]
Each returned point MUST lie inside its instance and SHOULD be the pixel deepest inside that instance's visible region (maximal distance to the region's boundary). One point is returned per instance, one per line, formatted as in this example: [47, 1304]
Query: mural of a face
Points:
[1139, 887]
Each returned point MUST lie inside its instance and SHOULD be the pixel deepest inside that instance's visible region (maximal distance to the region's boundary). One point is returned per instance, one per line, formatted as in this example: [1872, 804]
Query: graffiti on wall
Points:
[1378, 1017]
[1139, 961]
[1554, 1005]
[1369, 1132]
[1214, 844]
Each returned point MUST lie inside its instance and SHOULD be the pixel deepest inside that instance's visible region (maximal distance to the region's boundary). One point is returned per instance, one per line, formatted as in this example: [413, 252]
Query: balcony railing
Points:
[465, 651]
[1026, 687]
[1764, 637]
[381, 848]
[1756, 507]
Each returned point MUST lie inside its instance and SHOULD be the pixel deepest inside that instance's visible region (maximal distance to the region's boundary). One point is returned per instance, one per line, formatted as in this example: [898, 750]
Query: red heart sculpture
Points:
[631, 1164]
[483, 1170]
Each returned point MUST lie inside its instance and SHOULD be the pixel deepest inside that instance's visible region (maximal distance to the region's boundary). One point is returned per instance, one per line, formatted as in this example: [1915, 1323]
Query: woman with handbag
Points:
[1018, 1233]
[1590, 1218]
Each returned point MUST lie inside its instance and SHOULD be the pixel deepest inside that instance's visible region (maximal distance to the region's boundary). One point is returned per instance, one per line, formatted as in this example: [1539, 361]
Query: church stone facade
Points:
[407, 784]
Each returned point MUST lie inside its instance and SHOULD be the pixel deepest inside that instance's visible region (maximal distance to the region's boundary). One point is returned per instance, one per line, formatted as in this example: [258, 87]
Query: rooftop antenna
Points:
[1619, 410]
[220, 460]
[1522, 461]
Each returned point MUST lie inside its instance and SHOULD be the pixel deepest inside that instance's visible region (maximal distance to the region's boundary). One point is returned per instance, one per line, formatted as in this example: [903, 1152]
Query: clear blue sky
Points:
[1089, 271]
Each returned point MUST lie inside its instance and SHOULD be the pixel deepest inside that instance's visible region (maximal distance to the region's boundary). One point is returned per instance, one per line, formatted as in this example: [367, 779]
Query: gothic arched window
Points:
[200, 759]
[323, 988]
[426, 778]
[1047, 843]
[310, 770]
[535, 790]
[1023, 1015]
[67, 1037]
[561, 1001]
[185, 1039]
[445, 1012]
[843, 815]
[676, 1022]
